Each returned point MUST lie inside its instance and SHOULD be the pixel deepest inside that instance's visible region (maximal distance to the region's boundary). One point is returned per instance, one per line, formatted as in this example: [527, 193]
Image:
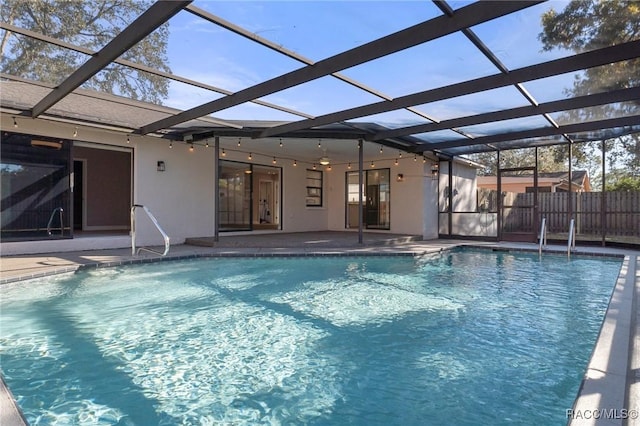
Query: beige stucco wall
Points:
[183, 200]
[407, 196]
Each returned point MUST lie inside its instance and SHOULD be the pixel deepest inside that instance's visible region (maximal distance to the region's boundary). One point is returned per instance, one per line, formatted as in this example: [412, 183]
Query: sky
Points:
[319, 29]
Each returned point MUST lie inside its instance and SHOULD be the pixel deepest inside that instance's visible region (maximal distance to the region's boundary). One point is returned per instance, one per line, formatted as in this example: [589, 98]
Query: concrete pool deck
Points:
[610, 391]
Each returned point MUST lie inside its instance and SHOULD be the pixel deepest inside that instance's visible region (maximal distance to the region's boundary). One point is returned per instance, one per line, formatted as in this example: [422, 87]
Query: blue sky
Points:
[202, 51]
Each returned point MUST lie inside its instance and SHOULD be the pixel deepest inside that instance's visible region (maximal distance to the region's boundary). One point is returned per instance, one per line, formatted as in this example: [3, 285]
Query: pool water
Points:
[463, 337]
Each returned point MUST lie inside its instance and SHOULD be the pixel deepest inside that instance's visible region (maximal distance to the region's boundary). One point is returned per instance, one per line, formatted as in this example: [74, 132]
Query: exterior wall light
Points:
[435, 168]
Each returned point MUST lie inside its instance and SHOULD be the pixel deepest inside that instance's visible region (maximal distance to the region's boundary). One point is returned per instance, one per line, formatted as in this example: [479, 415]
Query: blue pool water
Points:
[465, 337]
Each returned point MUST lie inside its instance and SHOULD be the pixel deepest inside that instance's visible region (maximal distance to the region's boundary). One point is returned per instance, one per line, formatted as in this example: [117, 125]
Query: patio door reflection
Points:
[376, 193]
[234, 200]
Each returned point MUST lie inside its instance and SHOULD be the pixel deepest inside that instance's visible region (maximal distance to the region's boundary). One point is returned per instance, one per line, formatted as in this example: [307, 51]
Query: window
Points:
[314, 188]
[35, 185]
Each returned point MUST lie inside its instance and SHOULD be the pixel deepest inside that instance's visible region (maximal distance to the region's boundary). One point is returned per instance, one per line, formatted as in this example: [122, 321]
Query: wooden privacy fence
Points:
[621, 218]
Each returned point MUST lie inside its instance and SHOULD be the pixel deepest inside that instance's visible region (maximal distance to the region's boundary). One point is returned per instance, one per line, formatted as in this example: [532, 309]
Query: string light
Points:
[75, 132]
[380, 149]
[329, 167]
[250, 156]
[415, 157]
[372, 165]
[274, 160]
[295, 163]
[206, 145]
[349, 166]
[224, 154]
[400, 154]
[191, 148]
[239, 141]
[424, 160]
[128, 139]
[170, 145]
[280, 143]
[319, 144]
[314, 167]
[15, 123]
[396, 162]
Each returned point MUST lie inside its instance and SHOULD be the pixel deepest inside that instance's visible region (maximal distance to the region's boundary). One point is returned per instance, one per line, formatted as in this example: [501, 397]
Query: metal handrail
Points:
[571, 240]
[135, 252]
[53, 214]
[543, 235]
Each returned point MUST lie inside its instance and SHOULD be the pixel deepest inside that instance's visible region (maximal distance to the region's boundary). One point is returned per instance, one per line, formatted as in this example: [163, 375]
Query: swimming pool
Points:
[463, 337]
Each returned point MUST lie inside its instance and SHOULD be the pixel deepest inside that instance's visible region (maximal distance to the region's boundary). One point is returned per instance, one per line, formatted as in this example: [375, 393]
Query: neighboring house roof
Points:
[580, 180]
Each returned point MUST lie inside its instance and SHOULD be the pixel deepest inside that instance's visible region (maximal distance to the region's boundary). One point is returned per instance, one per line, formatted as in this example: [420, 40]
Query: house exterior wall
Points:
[183, 199]
[407, 196]
[296, 216]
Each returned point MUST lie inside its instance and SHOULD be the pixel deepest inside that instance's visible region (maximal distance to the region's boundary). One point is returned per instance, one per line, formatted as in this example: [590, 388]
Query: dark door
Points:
[373, 206]
[78, 190]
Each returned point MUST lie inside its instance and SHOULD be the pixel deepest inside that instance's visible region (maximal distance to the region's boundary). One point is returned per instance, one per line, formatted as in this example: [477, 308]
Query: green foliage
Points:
[550, 159]
[622, 183]
[586, 25]
[91, 25]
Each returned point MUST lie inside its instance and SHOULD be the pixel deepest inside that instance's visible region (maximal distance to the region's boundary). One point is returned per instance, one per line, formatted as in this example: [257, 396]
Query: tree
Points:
[550, 159]
[90, 24]
[626, 183]
[586, 25]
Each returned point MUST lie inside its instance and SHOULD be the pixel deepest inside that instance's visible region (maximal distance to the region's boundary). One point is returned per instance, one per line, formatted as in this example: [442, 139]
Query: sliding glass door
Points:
[35, 187]
[234, 200]
[249, 197]
[376, 196]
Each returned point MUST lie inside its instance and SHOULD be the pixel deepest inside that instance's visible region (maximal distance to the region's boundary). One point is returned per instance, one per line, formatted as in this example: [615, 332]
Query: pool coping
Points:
[609, 393]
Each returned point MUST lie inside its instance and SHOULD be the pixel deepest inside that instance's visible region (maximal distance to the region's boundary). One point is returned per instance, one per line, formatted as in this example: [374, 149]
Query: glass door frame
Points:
[367, 208]
[252, 189]
[526, 236]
